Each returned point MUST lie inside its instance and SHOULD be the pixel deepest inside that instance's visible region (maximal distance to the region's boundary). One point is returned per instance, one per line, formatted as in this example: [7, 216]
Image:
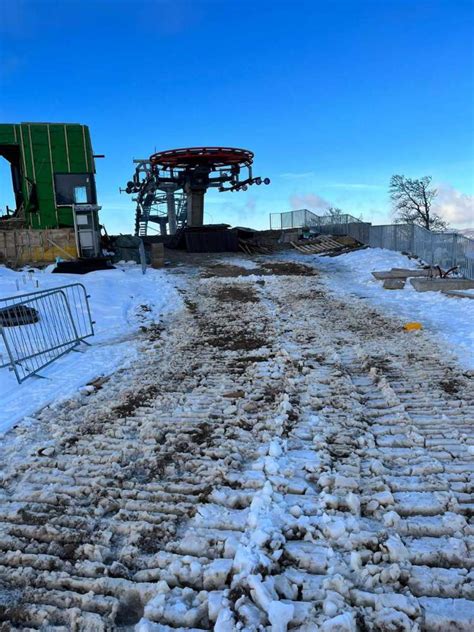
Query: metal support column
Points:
[195, 207]
[170, 204]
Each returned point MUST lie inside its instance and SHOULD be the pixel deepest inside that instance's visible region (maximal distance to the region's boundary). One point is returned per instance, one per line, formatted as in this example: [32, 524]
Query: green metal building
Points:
[53, 170]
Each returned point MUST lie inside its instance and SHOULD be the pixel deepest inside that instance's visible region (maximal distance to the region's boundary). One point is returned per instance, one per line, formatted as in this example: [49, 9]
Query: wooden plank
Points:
[298, 247]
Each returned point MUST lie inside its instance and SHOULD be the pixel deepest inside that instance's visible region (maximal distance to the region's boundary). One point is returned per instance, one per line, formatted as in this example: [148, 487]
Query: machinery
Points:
[169, 187]
[53, 178]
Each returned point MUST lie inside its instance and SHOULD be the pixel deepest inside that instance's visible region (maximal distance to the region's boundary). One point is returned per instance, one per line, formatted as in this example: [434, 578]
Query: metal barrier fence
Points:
[293, 219]
[39, 327]
[446, 249]
[357, 230]
[435, 248]
[304, 218]
[338, 220]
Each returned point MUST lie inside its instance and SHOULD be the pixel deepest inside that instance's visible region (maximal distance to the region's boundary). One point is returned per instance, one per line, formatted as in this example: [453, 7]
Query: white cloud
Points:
[311, 201]
[243, 214]
[455, 207]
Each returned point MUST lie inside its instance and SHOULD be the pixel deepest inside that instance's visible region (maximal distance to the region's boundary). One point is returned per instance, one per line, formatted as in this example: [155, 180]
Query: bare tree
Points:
[334, 211]
[412, 202]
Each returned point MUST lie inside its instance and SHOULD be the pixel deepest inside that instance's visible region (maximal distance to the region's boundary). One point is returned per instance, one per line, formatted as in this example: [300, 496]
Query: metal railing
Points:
[39, 327]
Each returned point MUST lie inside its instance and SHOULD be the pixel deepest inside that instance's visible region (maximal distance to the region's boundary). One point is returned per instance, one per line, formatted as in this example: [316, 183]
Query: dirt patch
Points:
[228, 270]
[135, 400]
[450, 386]
[153, 332]
[190, 305]
[237, 293]
[288, 268]
[130, 610]
[268, 268]
[239, 341]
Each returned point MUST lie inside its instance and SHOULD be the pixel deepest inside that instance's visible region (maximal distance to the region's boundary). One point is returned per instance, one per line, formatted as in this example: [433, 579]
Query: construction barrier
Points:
[39, 327]
[445, 249]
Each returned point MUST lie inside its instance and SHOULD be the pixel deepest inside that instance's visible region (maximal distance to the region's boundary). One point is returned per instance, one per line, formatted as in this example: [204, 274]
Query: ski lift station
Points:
[53, 212]
[55, 202]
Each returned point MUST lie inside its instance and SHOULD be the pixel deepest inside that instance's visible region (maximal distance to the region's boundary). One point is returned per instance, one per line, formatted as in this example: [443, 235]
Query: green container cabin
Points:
[53, 170]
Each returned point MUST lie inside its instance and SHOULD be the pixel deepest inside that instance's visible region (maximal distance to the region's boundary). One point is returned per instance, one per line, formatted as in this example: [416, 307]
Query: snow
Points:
[450, 319]
[337, 483]
[121, 301]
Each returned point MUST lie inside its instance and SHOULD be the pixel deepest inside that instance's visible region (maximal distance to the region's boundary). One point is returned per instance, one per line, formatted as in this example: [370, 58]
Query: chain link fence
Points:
[304, 218]
[293, 219]
[445, 249]
[358, 230]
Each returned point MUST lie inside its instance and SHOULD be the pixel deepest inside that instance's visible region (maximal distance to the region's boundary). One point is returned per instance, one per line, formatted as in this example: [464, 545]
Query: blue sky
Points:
[333, 97]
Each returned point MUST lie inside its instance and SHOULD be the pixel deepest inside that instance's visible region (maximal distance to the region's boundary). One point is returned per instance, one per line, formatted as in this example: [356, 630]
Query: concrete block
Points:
[437, 285]
[400, 273]
[394, 284]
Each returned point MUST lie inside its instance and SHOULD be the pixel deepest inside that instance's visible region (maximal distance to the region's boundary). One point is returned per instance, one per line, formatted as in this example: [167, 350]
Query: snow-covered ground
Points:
[121, 300]
[281, 457]
[450, 319]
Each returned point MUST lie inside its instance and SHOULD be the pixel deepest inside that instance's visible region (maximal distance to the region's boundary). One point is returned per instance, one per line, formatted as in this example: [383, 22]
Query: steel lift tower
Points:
[170, 185]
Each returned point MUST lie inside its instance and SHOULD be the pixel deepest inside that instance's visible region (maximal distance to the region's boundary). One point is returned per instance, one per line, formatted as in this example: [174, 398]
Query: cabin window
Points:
[74, 188]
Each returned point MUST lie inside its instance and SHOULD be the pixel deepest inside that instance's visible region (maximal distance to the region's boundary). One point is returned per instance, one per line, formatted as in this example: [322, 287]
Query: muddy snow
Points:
[274, 457]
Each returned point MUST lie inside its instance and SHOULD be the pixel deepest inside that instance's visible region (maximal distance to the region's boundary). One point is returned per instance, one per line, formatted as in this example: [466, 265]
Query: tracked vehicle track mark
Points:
[327, 469]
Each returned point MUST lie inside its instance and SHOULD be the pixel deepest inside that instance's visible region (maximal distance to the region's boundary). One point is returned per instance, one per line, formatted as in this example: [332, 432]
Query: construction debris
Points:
[255, 247]
[401, 273]
[330, 245]
[394, 284]
[412, 326]
[436, 285]
[405, 273]
[431, 278]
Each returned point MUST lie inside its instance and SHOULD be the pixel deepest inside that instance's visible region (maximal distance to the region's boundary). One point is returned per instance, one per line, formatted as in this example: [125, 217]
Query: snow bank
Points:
[122, 301]
[450, 319]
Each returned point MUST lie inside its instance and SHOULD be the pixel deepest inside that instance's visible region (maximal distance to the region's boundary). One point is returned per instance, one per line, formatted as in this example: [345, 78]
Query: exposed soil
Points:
[289, 268]
[265, 268]
[238, 342]
[237, 293]
[225, 270]
[450, 386]
[272, 423]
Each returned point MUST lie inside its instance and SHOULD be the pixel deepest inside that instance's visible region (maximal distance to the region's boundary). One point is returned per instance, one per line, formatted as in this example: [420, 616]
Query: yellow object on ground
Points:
[412, 326]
